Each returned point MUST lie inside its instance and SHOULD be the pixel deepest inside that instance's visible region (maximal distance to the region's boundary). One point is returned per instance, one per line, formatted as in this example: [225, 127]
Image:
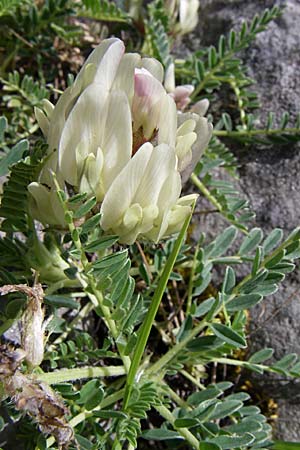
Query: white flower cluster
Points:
[116, 134]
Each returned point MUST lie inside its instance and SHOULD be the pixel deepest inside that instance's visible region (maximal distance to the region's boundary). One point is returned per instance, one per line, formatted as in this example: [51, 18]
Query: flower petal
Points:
[42, 120]
[148, 92]
[84, 125]
[122, 191]
[106, 57]
[154, 67]
[124, 80]
[160, 165]
[116, 141]
[167, 123]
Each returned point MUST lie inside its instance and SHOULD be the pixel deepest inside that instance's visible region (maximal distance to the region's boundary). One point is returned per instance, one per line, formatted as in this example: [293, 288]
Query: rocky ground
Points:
[269, 177]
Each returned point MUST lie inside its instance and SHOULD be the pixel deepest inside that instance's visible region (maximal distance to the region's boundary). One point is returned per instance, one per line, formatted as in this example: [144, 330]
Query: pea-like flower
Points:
[184, 13]
[119, 137]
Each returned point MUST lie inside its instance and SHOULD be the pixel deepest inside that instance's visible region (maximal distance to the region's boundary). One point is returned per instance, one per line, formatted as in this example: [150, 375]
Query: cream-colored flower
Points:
[184, 13]
[144, 199]
[119, 137]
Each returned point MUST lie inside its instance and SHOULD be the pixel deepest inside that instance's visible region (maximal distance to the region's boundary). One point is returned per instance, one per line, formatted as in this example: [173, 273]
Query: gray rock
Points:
[270, 178]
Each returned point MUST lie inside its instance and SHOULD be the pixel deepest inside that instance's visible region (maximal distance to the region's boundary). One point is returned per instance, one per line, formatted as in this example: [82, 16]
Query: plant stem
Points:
[240, 133]
[97, 299]
[63, 375]
[198, 183]
[192, 379]
[191, 281]
[150, 316]
[158, 366]
[240, 102]
[205, 191]
[188, 436]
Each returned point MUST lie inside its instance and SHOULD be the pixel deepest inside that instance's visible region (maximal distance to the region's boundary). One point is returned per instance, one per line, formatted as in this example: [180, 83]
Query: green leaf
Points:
[198, 397]
[275, 260]
[109, 414]
[284, 363]
[113, 259]
[226, 408]
[227, 121]
[204, 307]
[101, 244]
[160, 434]
[91, 223]
[185, 422]
[78, 198]
[251, 241]
[285, 445]
[228, 335]
[14, 307]
[60, 301]
[209, 446]
[247, 425]
[249, 410]
[257, 260]
[229, 280]
[230, 442]
[84, 443]
[14, 155]
[204, 343]
[3, 127]
[85, 208]
[244, 301]
[223, 242]
[261, 356]
[273, 240]
[91, 394]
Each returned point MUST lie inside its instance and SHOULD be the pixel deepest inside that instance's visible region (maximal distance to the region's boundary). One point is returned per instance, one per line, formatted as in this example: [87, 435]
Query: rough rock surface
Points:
[270, 177]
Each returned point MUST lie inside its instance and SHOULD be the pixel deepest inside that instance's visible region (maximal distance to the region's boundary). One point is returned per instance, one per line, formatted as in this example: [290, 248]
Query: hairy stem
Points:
[63, 375]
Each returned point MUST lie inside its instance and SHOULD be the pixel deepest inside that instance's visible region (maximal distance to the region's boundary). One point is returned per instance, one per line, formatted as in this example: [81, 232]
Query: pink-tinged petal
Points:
[84, 125]
[122, 191]
[181, 96]
[148, 92]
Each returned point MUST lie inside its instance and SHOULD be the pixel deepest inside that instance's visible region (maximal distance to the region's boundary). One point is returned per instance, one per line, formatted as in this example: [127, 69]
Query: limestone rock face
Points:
[269, 177]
